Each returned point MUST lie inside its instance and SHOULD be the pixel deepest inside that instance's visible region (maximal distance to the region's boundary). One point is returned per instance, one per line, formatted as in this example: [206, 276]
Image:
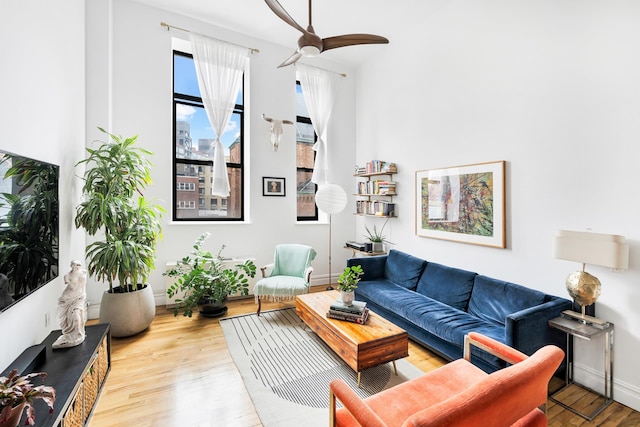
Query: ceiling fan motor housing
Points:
[310, 44]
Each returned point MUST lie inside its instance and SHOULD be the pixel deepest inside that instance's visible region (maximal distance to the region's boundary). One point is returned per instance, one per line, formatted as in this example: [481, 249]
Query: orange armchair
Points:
[458, 394]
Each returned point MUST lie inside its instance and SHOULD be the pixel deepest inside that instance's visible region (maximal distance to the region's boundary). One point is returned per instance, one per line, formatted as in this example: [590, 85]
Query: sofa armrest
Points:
[491, 346]
[307, 274]
[528, 329]
[352, 403]
[373, 266]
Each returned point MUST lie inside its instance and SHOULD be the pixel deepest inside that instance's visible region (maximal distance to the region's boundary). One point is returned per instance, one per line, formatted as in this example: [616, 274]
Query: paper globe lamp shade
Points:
[331, 198]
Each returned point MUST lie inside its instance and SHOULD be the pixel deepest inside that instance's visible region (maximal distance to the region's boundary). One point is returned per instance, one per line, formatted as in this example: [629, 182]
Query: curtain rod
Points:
[323, 69]
[169, 27]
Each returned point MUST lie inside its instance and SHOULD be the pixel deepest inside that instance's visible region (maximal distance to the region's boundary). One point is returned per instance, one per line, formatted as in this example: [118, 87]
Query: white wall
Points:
[42, 116]
[141, 103]
[552, 88]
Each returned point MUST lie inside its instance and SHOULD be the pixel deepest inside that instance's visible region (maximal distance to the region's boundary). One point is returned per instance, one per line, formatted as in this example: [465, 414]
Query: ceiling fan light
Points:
[309, 51]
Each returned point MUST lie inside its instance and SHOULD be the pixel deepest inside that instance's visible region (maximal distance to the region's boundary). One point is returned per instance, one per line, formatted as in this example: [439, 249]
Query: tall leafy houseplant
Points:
[117, 173]
[115, 209]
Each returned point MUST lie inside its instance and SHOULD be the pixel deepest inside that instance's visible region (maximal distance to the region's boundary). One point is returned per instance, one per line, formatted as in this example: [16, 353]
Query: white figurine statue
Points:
[71, 306]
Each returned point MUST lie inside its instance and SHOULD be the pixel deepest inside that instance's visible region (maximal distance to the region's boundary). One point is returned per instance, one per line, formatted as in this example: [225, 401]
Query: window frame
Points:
[194, 101]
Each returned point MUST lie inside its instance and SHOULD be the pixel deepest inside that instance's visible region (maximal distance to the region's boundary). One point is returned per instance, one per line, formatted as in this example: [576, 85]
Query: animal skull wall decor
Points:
[275, 127]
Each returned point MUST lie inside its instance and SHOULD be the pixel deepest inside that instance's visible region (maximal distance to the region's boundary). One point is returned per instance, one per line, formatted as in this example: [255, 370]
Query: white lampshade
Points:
[309, 51]
[607, 250]
[331, 198]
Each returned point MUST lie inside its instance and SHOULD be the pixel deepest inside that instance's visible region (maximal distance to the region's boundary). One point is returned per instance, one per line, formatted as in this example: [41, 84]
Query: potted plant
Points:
[129, 226]
[17, 393]
[376, 237]
[203, 281]
[348, 282]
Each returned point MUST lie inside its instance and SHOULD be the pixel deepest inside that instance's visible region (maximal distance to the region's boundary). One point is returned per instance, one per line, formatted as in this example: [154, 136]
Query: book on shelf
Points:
[361, 319]
[378, 208]
[376, 167]
[389, 167]
[357, 307]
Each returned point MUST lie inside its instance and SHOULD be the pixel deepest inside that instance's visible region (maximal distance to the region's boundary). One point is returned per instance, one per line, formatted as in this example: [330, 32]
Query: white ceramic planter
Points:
[128, 313]
[347, 297]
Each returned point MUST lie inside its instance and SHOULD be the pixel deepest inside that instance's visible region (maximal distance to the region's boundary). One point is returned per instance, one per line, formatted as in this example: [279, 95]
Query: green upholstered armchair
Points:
[287, 276]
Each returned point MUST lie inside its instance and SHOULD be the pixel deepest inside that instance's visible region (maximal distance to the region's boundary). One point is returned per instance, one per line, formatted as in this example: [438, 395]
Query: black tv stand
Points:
[77, 373]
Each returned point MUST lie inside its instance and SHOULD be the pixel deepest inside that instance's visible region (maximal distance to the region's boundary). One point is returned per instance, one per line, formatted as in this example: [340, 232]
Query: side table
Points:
[577, 328]
[364, 253]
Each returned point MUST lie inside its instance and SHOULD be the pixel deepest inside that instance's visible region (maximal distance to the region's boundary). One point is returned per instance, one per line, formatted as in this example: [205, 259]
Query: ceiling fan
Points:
[310, 44]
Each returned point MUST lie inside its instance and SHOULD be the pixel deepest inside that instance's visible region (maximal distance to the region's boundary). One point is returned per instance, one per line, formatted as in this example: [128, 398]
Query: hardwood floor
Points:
[179, 372]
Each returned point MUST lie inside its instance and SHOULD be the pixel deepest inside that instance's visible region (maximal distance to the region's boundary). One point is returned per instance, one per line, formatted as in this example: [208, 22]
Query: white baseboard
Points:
[623, 392]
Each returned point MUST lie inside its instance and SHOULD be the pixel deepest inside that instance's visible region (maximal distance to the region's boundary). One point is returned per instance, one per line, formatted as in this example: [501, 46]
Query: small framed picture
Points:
[273, 186]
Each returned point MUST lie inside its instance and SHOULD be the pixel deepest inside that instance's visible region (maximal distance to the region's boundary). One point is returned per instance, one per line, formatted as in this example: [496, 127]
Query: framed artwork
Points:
[273, 186]
[462, 203]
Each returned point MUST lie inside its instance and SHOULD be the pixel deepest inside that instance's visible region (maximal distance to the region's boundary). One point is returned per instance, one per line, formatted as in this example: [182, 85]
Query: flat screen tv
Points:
[28, 226]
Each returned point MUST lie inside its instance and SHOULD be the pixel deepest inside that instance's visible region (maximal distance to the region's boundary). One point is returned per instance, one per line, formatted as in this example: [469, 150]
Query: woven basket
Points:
[103, 360]
[91, 388]
[73, 416]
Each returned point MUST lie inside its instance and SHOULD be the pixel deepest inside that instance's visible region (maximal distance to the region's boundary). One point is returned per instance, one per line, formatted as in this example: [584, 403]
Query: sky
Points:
[186, 81]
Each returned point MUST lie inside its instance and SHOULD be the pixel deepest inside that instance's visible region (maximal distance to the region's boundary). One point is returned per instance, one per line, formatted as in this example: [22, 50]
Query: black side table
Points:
[586, 330]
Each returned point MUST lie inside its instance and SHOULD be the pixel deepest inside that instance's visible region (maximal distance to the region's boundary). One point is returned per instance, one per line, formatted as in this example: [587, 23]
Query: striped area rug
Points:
[286, 368]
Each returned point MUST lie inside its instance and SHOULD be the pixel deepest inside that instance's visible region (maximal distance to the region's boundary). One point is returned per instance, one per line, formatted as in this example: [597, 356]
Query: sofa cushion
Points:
[493, 299]
[449, 285]
[448, 323]
[385, 293]
[403, 269]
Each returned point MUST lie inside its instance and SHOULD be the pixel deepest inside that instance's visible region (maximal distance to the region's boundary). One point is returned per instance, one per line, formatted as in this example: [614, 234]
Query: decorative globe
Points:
[583, 287]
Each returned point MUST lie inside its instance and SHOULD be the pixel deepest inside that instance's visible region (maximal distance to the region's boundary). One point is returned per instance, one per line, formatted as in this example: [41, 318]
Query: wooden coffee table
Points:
[360, 346]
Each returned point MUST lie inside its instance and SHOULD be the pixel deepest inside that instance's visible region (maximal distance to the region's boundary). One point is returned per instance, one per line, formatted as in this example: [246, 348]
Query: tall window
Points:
[305, 157]
[193, 152]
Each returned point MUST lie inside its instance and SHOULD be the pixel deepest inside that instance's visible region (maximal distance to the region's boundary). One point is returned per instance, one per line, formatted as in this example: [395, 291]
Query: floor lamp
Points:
[330, 199]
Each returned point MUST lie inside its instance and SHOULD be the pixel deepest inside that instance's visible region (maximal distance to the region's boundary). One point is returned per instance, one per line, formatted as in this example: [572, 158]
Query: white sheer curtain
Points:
[219, 67]
[320, 88]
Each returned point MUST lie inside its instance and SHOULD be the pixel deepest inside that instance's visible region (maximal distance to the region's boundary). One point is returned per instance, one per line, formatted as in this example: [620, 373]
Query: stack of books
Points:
[356, 313]
[386, 188]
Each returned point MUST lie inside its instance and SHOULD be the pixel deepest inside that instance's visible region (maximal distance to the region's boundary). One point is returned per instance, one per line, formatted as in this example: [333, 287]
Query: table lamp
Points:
[607, 250]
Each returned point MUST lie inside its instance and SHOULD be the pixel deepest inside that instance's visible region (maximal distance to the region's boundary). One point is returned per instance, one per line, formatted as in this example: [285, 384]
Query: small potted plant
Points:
[376, 237]
[18, 393]
[204, 282]
[348, 282]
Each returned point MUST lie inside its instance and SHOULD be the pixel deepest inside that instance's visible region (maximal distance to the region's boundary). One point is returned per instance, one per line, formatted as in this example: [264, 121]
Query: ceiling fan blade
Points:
[291, 60]
[284, 15]
[351, 40]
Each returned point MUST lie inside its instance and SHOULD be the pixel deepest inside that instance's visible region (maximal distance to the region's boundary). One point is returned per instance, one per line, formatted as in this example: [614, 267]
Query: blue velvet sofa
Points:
[437, 305]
